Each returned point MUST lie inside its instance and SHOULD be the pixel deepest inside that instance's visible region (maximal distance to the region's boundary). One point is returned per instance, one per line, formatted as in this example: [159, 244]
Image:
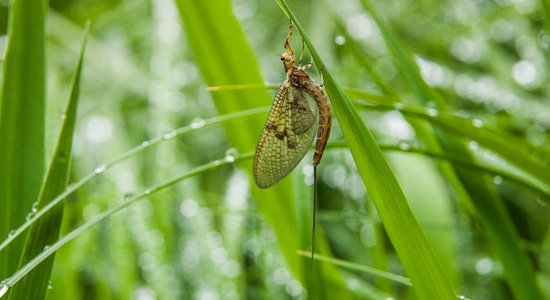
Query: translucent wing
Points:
[287, 135]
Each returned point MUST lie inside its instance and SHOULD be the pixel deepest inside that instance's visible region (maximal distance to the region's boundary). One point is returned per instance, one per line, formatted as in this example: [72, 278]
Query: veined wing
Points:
[287, 135]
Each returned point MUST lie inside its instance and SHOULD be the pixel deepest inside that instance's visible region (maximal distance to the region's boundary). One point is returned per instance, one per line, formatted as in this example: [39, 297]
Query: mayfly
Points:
[289, 130]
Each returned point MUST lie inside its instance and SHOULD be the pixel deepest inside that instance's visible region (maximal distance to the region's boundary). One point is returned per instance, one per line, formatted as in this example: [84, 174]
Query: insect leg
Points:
[301, 53]
[287, 41]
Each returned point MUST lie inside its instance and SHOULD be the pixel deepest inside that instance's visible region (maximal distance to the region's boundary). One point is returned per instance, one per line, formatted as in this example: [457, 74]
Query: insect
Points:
[289, 130]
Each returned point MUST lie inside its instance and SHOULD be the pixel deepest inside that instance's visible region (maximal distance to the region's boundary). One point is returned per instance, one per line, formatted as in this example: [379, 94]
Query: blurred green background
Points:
[146, 72]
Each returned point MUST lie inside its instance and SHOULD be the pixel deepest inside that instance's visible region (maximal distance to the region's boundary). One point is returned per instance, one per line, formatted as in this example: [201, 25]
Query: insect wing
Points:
[287, 135]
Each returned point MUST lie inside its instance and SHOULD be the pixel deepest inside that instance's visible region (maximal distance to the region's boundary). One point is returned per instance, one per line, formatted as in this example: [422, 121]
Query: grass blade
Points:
[46, 230]
[21, 122]
[428, 278]
[217, 40]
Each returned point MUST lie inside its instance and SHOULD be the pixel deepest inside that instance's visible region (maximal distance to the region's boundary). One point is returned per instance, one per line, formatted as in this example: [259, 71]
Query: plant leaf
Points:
[428, 278]
[46, 230]
[21, 122]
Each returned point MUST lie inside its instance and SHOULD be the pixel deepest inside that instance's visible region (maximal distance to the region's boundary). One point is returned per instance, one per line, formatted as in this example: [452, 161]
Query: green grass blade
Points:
[217, 40]
[21, 122]
[46, 230]
[360, 268]
[422, 267]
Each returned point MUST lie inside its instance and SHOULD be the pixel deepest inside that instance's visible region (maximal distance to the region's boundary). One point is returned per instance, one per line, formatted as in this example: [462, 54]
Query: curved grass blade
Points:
[49, 251]
[428, 278]
[470, 129]
[360, 268]
[21, 121]
[104, 167]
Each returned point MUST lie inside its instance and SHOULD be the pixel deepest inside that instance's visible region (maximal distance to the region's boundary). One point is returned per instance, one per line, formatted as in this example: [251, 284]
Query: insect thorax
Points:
[298, 76]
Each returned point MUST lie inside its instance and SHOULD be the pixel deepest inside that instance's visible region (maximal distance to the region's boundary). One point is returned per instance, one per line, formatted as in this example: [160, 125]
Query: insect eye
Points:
[284, 56]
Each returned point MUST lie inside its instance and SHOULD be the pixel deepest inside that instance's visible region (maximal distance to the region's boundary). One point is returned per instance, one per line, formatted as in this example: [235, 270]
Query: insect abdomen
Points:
[325, 119]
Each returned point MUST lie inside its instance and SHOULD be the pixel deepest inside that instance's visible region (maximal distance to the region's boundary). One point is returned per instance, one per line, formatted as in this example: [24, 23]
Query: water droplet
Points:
[4, 289]
[197, 123]
[145, 144]
[497, 180]
[432, 112]
[30, 216]
[399, 106]
[128, 195]
[100, 169]
[50, 286]
[404, 146]
[217, 162]
[34, 208]
[169, 135]
[231, 154]
[484, 266]
[340, 40]
[63, 116]
[11, 233]
[147, 191]
[473, 145]
[46, 247]
[461, 297]
[477, 123]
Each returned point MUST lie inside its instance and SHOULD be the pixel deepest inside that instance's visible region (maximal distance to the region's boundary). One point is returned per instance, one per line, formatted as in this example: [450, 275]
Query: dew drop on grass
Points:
[30, 216]
[144, 144]
[497, 180]
[11, 233]
[404, 146]
[197, 123]
[398, 106]
[34, 208]
[432, 112]
[100, 169]
[169, 135]
[477, 123]
[231, 154]
[473, 145]
[340, 40]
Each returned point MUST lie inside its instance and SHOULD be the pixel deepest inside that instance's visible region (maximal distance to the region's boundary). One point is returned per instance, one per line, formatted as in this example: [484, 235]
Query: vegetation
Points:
[127, 130]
